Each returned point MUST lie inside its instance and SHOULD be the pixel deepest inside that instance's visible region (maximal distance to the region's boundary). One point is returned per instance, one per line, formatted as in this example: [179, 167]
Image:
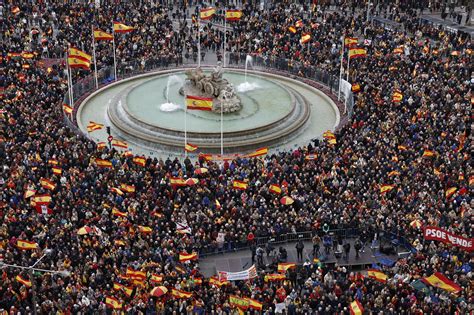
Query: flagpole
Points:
[115, 59]
[225, 32]
[95, 62]
[222, 129]
[340, 70]
[199, 36]
[68, 81]
[348, 64]
[185, 127]
[71, 91]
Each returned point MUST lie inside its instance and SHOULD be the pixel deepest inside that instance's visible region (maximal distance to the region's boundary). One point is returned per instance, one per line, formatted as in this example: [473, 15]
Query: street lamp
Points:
[32, 268]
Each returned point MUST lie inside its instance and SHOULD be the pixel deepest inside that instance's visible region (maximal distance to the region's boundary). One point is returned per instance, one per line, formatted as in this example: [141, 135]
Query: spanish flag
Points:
[349, 41]
[328, 135]
[116, 190]
[24, 281]
[275, 189]
[207, 14]
[393, 173]
[305, 38]
[240, 185]
[122, 28]
[428, 153]
[99, 35]
[176, 181]
[438, 280]
[386, 188]
[44, 199]
[450, 191]
[101, 145]
[139, 161]
[119, 144]
[67, 109]
[92, 126]
[135, 274]
[190, 147]
[283, 267]
[144, 229]
[181, 294]
[258, 152]
[377, 275]
[78, 63]
[274, 277]
[156, 278]
[128, 188]
[120, 287]
[53, 162]
[119, 242]
[416, 224]
[233, 15]
[402, 148]
[357, 52]
[311, 157]
[254, 304]
[355, 87]
[79, 54]
[15, 10]
[292, 29]
[118, 213]
[29, 193]
[113, 303]
[103, 163]
[27, 55]
[215, 281]
[398, 50]
[57, 170]
[47, 184]
[185, 257]
[356, 308]
[240, 303]
[397, 96]
[198, 103]
[25, 245]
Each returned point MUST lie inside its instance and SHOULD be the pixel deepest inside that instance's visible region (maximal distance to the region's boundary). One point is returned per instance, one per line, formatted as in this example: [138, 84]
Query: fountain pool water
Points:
[247, 86]
[148, 112]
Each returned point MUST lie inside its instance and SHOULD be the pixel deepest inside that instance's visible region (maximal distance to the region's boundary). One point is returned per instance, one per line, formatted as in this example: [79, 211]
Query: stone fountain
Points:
[213, 86]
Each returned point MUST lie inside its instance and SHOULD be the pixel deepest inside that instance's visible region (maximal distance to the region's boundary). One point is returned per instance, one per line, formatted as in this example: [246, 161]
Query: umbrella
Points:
[85, 230]
[286, 201]
[158, 291]
[200, 170]
[192, 181]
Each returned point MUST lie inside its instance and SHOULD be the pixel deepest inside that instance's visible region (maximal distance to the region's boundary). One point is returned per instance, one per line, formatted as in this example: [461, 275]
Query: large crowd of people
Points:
[385, 143]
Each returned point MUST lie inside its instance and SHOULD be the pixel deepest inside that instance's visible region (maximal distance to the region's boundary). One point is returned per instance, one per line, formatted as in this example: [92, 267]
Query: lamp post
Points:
[32, 268]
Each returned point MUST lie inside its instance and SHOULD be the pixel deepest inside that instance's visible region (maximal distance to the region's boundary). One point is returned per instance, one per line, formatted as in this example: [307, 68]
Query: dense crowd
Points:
[383, 144]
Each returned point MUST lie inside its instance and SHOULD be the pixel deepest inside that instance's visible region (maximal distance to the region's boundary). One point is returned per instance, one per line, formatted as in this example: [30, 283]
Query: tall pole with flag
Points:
[222, 129]
[95, 62]
[348, 64]
[185, 127]
[340, 70]
[199, 36]
[115, 59]
[225, 35]
[69, 76]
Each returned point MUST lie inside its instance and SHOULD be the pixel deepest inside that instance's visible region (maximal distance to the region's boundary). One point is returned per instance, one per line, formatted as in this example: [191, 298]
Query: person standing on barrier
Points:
[357, 247]
[316, 245]
[347, 250]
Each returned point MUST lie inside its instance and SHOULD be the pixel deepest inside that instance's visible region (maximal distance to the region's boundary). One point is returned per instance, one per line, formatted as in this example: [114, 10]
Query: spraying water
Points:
[247, 86]
[248, 60]
[169, 106]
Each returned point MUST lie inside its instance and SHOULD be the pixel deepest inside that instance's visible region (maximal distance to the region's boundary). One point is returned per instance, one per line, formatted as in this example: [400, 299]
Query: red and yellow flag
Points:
[438, 280]
[215, 281]
[93, 126]
[356, 308]
[283, 267]
[181, 294]
[119, 144]
[101, 145]
[233, 15]
[241, 303]
[156, 278]
[397, 96]
[44, 199]
[47, 184]
[139, 160]
[349, 41]
[311, 156]
[116, 212]
[122, 28]
[398, 50]
[145, 229]
[186, 257]
[99, 35]
[305, 38]
[275, 189]
[79, 54]
[198, 103]
[450, 191]
[78, 63]
[113, 303]
[274, 277]
[25, 245]
[116, 190]
[377, 275]
[258, 152]
[128, 188]
[292, 29]
[57, 170]
[357, 52]
[176, 181]
[386, 188]
[103, 163]
[67, 109]
[240, 185]
[428, 153]
[190, 147]
[24, 281]
[207, 14]
[254, 304]
[135, 274]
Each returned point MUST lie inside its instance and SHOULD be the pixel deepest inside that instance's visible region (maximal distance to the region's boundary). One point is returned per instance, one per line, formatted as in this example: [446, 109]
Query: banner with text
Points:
[433, 233]
[240, 275]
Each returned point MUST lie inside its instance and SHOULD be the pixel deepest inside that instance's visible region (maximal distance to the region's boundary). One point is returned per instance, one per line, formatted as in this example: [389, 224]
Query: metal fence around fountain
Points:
[311, 75]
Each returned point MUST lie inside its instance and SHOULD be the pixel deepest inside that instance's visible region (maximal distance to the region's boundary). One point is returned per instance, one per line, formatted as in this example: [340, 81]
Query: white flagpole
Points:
[68, 80]
[340, 70]
[185, 127]
[348, 63]
[222, 130]
[95, 62]
[225, 33]
[70, 84]
[115, 59]
[199, 36]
